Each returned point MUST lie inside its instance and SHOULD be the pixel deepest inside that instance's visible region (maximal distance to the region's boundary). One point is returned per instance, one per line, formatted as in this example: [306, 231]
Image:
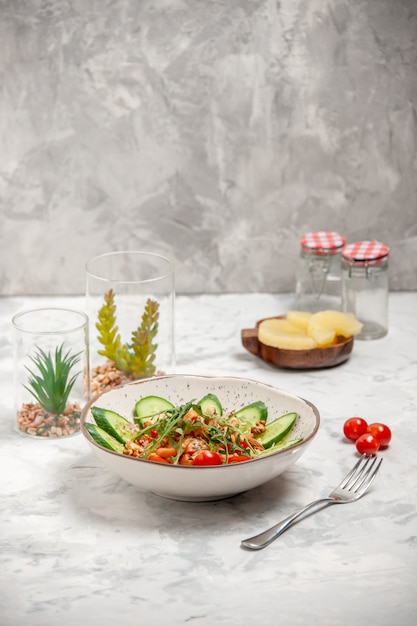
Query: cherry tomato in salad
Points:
[237, 458]
[207, 457]
[380, 432]
[354, 427]
[367, 444]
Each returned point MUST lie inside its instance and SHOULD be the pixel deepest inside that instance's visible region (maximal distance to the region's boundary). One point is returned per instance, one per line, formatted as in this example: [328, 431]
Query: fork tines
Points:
[362, 474]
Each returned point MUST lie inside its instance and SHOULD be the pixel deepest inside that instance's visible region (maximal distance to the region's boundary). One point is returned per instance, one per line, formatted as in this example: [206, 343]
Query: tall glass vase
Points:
[130, 302]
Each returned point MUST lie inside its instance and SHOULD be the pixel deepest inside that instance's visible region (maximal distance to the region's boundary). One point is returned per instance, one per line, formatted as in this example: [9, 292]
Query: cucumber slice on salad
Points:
[149, 408]
[104, 439]
[276, 430]
[210, 405]
[281, 445]
[250, 414]
[114, 424]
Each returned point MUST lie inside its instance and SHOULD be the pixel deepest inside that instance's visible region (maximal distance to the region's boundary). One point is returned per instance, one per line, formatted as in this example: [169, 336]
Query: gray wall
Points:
[213, 131]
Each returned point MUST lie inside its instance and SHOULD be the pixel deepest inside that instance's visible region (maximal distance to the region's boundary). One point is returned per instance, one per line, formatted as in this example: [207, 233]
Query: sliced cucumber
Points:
[150, 408]
[114, 424]
[250, 414]
[281, 445]
[277, 429]
[104, 439]
[210, 405]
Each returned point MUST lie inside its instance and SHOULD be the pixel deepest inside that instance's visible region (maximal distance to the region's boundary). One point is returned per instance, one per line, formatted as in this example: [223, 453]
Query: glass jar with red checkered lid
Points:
[318, 285]
[365, 286]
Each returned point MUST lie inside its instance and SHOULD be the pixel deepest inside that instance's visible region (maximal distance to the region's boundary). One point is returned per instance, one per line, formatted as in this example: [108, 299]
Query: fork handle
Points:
[257, 542]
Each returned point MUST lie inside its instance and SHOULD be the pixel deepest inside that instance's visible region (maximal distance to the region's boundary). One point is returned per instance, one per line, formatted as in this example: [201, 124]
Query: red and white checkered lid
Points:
[365, 252]
[322, 241]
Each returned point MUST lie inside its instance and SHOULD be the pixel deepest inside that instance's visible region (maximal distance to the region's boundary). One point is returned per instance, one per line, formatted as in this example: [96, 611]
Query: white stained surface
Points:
[80, 545]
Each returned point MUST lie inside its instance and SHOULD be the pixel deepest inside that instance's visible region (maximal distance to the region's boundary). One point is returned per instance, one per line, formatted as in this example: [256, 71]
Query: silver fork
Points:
[353, 486]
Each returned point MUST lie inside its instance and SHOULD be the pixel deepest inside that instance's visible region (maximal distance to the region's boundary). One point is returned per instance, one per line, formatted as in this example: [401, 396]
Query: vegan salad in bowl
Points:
[147, 429]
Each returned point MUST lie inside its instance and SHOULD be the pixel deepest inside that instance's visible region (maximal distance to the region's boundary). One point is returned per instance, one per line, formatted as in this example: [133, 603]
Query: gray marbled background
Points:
[213, 131]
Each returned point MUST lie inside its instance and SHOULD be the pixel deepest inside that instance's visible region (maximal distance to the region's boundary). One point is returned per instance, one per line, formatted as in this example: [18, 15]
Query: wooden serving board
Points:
[296, 359]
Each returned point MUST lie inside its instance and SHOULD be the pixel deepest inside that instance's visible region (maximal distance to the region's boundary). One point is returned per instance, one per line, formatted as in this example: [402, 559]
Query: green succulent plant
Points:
[137, 358]
[50, 382]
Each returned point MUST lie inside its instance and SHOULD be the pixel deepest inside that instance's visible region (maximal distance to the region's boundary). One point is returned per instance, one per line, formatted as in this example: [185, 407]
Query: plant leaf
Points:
[136, 359]
[106, 325]
[49, 382]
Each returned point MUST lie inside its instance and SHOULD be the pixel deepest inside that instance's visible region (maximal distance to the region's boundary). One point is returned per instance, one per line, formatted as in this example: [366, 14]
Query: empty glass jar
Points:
[365, 286]
[318, 285]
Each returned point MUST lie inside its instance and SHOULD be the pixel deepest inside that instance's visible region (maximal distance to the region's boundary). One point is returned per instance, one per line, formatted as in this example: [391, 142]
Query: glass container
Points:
[130, 298]
[365, 286]
[318, 285]
[51, 370]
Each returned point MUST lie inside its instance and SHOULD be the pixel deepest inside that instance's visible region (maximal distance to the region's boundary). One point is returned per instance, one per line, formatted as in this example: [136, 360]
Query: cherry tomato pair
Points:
[369, 438]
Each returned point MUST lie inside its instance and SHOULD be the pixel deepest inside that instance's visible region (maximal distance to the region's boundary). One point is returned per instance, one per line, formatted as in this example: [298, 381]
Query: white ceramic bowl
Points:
[204, 483]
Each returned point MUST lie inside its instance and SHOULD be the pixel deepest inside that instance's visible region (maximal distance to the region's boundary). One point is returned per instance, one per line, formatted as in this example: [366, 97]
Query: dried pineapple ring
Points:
[299, 318]
[344, 324]
[281, 325]
[272, 334]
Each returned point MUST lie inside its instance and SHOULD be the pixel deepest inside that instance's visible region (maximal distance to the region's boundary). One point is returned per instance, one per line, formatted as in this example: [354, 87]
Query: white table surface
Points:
[80, 546]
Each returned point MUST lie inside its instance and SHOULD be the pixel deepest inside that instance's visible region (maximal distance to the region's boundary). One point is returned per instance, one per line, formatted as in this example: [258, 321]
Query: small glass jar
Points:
[318, 285]
[365, 286]
[51, 371]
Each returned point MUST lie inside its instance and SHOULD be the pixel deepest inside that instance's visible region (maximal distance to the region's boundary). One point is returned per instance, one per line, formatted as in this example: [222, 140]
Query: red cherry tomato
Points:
[354, 427]
[207, 457]
[367, 444]
[237, 458]
[380, 432]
